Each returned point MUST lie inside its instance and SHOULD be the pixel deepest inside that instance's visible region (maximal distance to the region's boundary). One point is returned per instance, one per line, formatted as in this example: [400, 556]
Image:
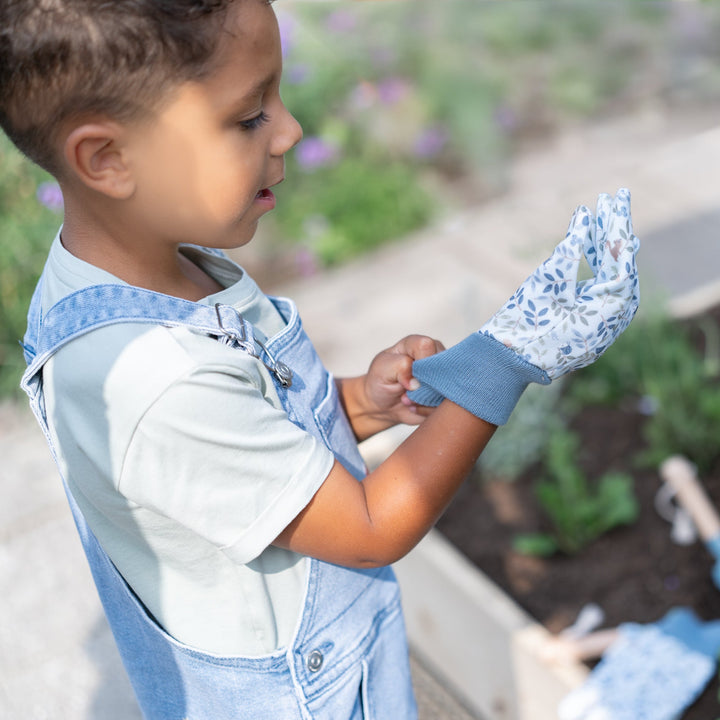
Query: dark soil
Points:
[634, 573]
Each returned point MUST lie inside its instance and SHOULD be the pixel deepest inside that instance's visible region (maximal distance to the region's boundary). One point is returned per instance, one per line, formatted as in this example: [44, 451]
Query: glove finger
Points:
[587, 224]
[613, 295]
[556, 278]
[547, 293]
[602, 213]
[621, 244]
[616, 244]
[598, 232]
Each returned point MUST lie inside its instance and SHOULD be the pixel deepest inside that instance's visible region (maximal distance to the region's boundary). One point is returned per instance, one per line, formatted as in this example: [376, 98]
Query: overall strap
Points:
[101, 305]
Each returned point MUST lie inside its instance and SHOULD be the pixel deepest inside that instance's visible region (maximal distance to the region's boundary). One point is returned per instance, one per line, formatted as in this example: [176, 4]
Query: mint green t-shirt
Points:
[185, 465]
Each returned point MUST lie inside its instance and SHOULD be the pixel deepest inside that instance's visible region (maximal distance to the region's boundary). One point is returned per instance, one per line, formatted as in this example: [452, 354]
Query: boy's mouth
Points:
[266, 197]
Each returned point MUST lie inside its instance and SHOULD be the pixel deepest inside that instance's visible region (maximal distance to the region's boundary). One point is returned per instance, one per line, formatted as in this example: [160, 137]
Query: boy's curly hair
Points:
[60, 59]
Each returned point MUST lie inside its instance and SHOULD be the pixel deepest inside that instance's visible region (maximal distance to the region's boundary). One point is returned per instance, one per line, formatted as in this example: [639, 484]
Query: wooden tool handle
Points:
[588, 647]
[678, 472]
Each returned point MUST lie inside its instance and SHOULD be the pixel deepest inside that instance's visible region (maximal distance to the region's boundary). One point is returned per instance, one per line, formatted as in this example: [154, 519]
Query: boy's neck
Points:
[161, 268]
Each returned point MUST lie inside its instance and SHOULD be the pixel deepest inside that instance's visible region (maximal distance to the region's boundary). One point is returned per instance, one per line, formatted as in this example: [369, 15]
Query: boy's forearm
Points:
[408, 493]
[379, 520]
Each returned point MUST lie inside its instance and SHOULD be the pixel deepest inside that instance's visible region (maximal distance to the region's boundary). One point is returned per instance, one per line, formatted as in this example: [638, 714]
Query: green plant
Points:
[27, 228]
[371, 97]
[578, 511]
[645, 347]
[657, 363]
[521, 442]
[346, 209]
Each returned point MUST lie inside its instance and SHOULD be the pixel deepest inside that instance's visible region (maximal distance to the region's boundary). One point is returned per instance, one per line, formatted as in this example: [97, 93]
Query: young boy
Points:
[211, 461]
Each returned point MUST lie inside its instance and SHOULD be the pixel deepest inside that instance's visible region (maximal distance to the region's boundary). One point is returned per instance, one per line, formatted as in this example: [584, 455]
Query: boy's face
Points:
[204, 163]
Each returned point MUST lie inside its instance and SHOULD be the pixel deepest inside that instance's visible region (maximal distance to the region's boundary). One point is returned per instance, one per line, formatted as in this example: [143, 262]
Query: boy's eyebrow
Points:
[256, 90]
[261, 86]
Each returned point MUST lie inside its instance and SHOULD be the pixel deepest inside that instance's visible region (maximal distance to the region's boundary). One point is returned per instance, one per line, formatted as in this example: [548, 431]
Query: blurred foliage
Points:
[26, 231]
[361, 205]
[451, 90]
[665, 369]
[671, 370]
[580, 511]
[520, 443]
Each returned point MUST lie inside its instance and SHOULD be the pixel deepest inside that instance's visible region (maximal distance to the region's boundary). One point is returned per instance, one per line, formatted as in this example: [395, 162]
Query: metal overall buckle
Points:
[279, 369]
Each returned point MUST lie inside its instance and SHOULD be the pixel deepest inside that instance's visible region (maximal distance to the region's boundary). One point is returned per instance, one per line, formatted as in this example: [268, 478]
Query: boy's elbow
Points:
[383, 556]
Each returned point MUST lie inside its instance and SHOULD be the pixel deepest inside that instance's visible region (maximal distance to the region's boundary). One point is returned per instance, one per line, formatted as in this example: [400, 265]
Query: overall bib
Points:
[348, 659]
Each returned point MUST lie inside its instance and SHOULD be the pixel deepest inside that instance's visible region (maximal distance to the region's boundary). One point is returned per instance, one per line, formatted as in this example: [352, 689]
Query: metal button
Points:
[315, 661]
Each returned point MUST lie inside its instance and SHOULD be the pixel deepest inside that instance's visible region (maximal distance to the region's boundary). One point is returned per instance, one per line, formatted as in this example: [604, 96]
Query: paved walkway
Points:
[57, 659]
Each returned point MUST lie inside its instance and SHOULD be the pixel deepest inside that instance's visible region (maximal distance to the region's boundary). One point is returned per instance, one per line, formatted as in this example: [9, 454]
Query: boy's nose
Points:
[289, 134]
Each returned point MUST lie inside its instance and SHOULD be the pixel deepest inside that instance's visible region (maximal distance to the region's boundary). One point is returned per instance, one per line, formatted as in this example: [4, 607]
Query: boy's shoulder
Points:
[65, 274]
[149, 357]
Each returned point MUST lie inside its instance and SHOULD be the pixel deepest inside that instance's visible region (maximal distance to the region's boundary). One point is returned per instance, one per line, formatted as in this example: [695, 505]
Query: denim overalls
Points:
[348, 658]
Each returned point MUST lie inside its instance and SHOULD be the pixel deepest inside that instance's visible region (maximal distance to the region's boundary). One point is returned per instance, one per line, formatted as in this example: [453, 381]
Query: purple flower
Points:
[505, 117]
[286, 23]
[341, 21]
[50, 195]
[297, 74]
[393, 90]
[688, 21]
[314, 152]
[430, 142]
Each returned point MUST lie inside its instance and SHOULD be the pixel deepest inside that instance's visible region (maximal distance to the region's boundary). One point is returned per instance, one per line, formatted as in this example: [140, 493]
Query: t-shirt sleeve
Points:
[215, 455]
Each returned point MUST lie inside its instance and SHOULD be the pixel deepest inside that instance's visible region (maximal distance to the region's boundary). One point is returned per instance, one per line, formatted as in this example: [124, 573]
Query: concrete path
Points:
[57, 659]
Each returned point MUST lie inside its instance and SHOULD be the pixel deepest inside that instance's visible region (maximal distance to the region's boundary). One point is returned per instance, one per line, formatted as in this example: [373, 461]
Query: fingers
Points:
[613, 295]
[415, 413]
[615, 246]
[417, 346]
[589, 235]
[390, 378]
[602, 213]
[620, 243]
[556, 278]
[595, 239]
[411, 348]
[394, 365]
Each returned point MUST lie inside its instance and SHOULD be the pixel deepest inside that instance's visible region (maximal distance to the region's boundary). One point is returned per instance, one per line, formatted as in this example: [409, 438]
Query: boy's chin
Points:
[235, 241]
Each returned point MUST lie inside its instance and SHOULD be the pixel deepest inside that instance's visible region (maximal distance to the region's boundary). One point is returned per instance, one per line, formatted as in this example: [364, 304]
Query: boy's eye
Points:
[255, 122]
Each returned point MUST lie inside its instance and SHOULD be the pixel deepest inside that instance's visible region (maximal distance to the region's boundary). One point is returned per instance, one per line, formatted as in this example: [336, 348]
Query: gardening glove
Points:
[551, 325]
[652, 672]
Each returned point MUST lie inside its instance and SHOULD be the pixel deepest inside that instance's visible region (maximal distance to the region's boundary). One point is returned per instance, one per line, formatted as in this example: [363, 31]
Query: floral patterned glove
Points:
[652, 671]
[551, 325]
[560, 324]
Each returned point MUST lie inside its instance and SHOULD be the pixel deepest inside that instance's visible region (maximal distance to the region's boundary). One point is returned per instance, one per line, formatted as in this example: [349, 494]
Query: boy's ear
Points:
[94, 153]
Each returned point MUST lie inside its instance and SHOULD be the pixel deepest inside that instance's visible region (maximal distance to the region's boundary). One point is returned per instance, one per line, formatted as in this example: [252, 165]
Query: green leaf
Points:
[536, 544]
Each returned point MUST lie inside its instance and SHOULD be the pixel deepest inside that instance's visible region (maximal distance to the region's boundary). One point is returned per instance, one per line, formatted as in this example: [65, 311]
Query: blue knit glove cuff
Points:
[480, 374]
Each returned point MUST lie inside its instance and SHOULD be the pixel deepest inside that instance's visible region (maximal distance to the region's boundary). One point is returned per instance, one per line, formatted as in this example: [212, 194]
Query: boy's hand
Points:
[379, 400]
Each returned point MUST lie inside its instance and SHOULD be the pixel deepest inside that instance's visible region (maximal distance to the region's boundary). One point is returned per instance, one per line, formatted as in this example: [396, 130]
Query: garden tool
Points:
[678, 472]
[683, 530]
[649, 672]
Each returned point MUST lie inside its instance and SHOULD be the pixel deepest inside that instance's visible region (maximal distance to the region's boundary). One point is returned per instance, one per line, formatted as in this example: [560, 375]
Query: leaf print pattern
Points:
[561, 324]
[650, 672]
